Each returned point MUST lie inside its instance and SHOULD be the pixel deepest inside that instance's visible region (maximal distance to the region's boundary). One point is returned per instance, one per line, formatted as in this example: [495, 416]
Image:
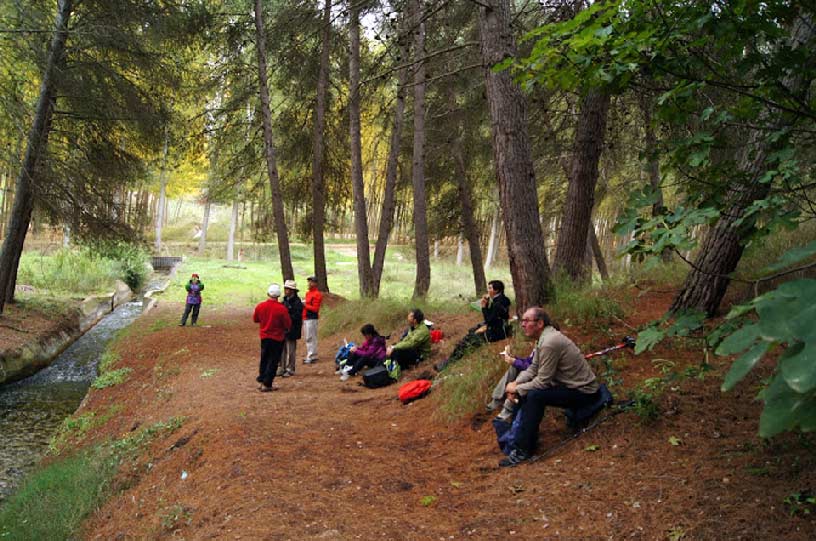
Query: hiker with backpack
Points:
[557, 376]
[415, 345]
[493, 327]
[368, 354]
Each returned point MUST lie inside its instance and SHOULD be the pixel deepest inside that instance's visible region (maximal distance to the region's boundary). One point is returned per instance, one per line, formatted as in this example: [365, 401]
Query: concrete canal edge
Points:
[22, 362]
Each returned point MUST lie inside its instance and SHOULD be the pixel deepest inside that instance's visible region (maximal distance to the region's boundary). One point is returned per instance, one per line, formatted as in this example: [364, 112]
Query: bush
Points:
[131, 261]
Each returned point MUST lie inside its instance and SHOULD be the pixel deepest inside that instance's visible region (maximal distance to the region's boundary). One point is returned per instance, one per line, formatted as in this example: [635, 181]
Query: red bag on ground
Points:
[414, 390]
[436, 336]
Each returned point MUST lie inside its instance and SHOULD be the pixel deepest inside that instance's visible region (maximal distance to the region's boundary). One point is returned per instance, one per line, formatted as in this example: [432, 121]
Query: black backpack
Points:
[377, 377]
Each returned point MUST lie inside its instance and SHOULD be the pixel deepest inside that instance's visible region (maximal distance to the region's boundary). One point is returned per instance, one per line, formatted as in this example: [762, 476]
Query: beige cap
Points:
[290, 284]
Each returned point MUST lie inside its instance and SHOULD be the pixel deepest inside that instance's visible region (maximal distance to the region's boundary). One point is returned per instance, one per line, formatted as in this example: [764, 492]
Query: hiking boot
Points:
[516, 457]
[338, 371]
[344, 377]
[309, 361]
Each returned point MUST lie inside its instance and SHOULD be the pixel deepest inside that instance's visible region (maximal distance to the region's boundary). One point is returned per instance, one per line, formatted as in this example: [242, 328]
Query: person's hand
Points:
[508, 357]
[352, 349]
[510, 389]
[481, 330]
[484, 301]
[389, 351]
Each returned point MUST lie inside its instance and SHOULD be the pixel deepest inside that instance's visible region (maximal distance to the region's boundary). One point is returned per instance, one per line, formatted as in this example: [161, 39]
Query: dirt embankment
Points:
[323, 459]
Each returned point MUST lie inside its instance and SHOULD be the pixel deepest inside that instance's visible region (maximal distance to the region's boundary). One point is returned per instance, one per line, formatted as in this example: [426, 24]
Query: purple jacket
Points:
[523, 363]
[194, 292]
[373, 348]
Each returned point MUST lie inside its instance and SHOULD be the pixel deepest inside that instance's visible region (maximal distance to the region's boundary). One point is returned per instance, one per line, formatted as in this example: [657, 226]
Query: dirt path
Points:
[322, 459]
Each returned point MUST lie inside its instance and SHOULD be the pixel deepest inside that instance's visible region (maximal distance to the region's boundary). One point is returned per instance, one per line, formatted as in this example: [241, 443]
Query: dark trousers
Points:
[405, 357]
[270, 357]
[471, 341]
[358, 362]
[187, 308]
[534, 404]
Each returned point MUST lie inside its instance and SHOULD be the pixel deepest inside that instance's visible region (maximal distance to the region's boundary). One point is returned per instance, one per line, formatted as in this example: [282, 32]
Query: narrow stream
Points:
[32, 409]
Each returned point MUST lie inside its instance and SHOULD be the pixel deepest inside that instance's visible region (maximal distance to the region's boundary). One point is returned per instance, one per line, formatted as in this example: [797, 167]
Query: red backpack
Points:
[414, 390]
[436, 336]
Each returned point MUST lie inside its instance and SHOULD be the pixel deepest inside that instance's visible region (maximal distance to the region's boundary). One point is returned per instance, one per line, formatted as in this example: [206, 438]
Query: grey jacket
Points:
[557, 361]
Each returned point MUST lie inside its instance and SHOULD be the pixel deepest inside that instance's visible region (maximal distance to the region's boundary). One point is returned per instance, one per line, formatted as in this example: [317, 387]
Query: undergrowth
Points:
[53, 501]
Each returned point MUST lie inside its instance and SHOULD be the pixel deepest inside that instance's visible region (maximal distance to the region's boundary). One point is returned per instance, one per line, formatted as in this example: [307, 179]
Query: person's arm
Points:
[523, 363]
[201, 286]
[287, 321]
[255, 317]
[187, 286]
[540, 374]
[415, 338]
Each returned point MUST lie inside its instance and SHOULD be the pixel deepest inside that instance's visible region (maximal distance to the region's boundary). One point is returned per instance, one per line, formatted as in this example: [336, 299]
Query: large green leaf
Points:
[798, 367]
[781, 403]
[744, 364]
[648, 337]
[739, 341]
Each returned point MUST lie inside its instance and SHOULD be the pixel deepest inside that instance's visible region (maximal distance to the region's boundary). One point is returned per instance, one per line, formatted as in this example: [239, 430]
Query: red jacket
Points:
[273, 318]
[311, 304]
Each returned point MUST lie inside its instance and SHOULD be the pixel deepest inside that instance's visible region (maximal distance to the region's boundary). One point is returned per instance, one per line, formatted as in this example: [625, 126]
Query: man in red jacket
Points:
[311, 310]
[274, 322]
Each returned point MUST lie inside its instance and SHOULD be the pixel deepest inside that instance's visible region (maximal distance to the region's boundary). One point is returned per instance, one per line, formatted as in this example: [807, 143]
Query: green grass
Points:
[465, 387]
[53, 501]
[111, 378]
[226, 283]
[588, 305]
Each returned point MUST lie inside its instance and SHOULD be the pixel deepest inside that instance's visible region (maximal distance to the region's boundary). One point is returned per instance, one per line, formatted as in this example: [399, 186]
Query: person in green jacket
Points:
[415, 345]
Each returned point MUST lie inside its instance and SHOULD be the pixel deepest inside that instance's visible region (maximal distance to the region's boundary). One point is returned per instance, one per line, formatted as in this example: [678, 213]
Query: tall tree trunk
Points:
[423, 261]
[160, 209]
[269, 146]
[232, 227]
[205, 224]
[597, 253]
[513, 161]
[471, 231]
[577, 218]
[36, 148]
[460, 249]
[318, 185]
[391, 172]
[722, 248]
[653, 162]
[492, 242]
[360, 220]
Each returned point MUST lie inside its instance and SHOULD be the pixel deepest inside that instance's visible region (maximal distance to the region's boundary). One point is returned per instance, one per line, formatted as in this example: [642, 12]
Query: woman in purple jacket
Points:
[517, 365]
[370, 353]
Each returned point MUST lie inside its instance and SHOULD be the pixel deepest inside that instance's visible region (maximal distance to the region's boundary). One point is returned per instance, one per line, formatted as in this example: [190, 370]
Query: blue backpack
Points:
[342, 355]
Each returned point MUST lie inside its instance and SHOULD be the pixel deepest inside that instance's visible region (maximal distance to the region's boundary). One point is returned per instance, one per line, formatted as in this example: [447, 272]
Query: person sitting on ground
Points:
[495, 314]
[557, 376]
[517, 365]
[415, 345]
[194, 288]
[368, 354]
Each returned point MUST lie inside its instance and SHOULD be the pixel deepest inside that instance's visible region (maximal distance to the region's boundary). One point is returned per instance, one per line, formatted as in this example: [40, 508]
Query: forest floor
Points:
[324, 459]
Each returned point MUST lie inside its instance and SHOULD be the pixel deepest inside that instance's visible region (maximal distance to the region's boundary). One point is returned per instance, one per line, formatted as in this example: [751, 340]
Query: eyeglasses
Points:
[525, 320]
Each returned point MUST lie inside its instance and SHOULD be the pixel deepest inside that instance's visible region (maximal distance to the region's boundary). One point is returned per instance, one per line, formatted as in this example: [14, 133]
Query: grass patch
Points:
[590, 305]
[76, 426]
[53, 501]
[465, 387]
[111, 378]
[386, 314]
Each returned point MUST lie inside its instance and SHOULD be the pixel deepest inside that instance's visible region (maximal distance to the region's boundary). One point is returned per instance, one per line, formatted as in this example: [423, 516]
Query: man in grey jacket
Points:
[557, 376]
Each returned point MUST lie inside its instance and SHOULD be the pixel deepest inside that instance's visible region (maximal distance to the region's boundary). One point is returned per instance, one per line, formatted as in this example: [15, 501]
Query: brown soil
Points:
[20, 326]
[323, 459]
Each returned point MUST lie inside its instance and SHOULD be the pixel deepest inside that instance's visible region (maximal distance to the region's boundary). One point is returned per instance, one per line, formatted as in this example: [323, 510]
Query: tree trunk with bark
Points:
[583, 176]
[287, 271]
[423, 260]
[358, 187]
[160, 209]
[232, 227]
[492, 241]
[36, 148]
[318, 151]
[463, 184]
[205, 224]
[391, 172]
[597, 253]
[513, 161]
[722, 248]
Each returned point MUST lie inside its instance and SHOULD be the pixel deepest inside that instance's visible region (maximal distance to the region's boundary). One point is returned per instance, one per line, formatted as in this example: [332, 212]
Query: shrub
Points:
[130, 261]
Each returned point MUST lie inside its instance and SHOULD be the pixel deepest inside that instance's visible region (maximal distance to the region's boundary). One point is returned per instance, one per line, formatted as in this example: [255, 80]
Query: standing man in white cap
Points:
[274, 322]
[311, 310]
[295, 307]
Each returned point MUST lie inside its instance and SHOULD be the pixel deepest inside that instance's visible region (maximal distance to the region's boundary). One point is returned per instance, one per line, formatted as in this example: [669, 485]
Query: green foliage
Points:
[78, 272]
[107, 361]
[131, 261]
[461, 390]
[387, 315]
[676, 325]
[585, 305]
[111, 378]
[800, 503]
[53, 501]
[784, 318]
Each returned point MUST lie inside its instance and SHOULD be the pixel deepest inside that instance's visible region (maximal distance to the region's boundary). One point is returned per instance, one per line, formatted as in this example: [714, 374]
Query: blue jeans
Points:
[533, 406]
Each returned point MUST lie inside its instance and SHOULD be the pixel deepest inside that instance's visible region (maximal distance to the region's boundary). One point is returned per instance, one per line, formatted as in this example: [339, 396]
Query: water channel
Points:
[31, 410]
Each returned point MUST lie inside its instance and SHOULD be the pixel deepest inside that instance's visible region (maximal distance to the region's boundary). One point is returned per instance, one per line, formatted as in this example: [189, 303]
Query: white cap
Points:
[274, 290]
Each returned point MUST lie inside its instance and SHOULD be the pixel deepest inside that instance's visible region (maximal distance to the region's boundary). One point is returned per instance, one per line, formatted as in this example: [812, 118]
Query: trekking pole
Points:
[627, 342]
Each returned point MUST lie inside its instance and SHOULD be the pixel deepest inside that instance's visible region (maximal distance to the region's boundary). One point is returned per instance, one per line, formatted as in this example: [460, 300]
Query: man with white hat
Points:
[295, 307]
[274, 322]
